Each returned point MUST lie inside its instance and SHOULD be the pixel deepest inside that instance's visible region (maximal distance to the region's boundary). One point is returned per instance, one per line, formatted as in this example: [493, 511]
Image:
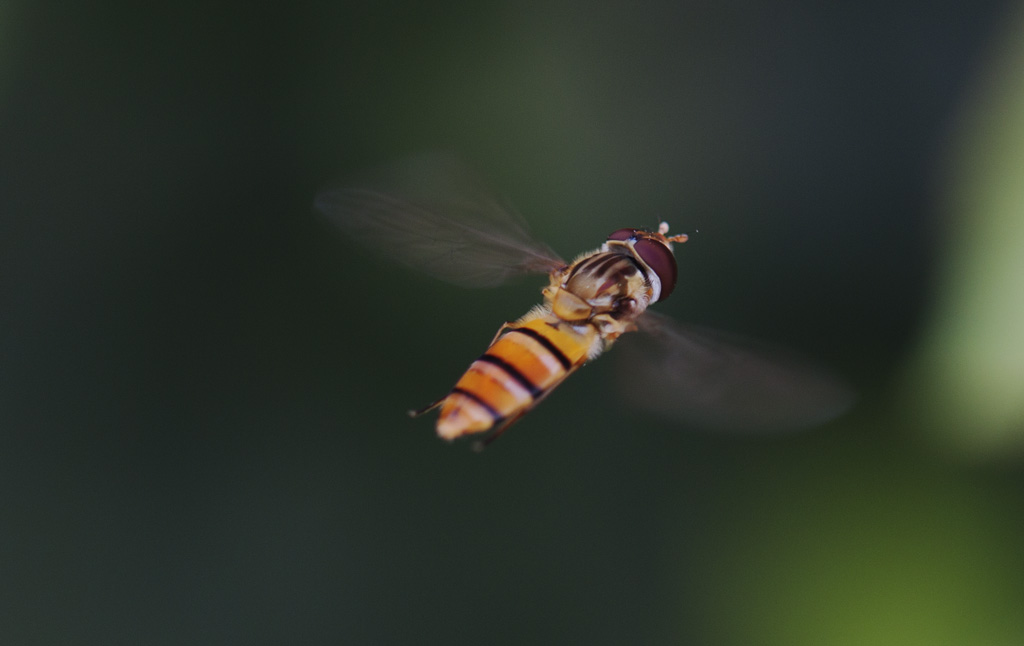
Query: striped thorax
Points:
[587, 305]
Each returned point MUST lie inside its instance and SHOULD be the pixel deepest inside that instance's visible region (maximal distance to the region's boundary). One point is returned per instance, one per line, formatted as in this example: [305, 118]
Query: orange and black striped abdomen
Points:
[519, 368]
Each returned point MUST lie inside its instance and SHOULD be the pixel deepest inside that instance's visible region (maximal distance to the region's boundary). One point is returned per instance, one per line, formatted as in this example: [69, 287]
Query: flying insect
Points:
[432, 214]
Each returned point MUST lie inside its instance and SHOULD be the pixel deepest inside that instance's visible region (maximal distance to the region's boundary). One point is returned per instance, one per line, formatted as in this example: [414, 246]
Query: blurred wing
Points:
[720, 381]
[432, 214]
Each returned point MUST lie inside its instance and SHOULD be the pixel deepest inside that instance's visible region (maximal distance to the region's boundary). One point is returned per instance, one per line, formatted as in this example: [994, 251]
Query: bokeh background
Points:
[202, 386]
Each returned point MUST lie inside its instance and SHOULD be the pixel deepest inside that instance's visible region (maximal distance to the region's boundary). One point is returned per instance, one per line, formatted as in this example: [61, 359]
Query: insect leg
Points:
[504, 326]
[426, 409]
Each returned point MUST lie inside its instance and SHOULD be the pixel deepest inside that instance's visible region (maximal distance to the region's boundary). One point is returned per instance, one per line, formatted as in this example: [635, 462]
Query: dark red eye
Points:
[622, 234]
[660, 259]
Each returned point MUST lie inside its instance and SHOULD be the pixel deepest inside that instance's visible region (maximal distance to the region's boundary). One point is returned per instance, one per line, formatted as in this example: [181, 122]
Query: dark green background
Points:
[202, 389]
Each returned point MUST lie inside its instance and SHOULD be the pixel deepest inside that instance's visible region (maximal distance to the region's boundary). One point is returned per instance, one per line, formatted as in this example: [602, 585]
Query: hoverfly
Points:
[432, 214]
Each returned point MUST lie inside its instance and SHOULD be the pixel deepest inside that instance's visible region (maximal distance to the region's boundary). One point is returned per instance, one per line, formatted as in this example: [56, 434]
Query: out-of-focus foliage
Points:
[881, 552]
[967, 383]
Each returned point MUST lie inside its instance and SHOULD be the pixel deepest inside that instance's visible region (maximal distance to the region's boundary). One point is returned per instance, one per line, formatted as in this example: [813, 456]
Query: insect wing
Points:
[432, 214]
[719, 381]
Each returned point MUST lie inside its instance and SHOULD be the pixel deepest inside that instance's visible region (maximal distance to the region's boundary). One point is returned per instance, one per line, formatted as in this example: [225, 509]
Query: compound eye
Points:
[661, 261]
[622, 234]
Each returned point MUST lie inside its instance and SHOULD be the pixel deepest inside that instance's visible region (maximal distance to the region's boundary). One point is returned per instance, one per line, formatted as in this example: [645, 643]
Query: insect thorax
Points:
[607, 289]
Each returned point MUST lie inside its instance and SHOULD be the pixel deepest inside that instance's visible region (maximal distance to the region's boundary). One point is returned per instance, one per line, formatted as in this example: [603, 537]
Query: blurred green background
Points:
[202, 387]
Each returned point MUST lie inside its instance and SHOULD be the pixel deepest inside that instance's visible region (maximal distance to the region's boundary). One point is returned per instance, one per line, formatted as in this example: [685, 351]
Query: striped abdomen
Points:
[519, 368]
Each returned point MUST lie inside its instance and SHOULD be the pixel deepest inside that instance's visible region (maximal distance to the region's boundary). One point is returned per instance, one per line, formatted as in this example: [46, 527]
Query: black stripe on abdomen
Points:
[548, 345]
[511, 371]
[476, 398]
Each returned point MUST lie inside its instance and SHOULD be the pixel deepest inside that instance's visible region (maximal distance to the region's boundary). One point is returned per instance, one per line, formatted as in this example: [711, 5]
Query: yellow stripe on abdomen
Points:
[518, 369]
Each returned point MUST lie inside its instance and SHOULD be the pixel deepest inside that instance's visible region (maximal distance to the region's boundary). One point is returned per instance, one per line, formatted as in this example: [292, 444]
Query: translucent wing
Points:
[721, 381]
[432, 214]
